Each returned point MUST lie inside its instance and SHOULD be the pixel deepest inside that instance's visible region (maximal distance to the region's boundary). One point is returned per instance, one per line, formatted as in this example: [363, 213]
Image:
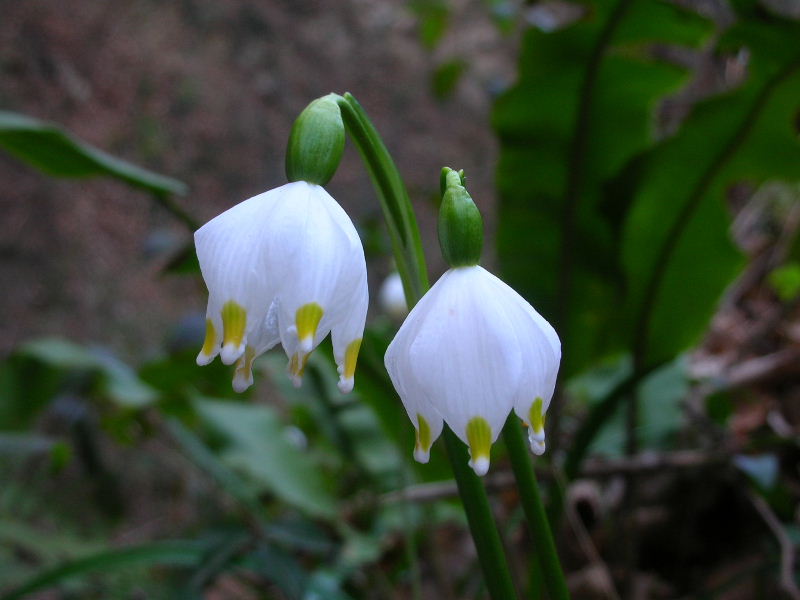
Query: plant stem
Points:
[534, 511]
[397, 210]
[479, 516]
[407, 247]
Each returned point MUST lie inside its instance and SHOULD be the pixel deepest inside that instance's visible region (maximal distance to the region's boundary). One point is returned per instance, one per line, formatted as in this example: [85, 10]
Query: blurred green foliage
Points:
[615, 227]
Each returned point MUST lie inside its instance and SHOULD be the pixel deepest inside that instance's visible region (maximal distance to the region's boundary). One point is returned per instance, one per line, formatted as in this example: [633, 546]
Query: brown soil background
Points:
[206, 91]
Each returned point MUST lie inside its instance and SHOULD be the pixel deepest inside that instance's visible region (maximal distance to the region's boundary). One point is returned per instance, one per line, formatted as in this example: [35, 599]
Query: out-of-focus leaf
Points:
[117, 380]
[256, 444]
[218, 557]
[177, 376]
[677, 254]
[661, 414]
[582, 109]
[434, 16]
[300, 533]
[661, 397]
[359, 549]
[48, 547]
[55, 152]
[173, 553]
[280, 568]
[60, 353]
[785, 280]
[350, 425]
[199, 454]
[446, 77]
[325, 585]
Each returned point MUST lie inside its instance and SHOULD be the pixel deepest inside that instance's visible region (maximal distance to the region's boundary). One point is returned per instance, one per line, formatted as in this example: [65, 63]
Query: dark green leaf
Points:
[677, 252]
[175, 553]
[55, 152]
[582, 109]
[117, 381]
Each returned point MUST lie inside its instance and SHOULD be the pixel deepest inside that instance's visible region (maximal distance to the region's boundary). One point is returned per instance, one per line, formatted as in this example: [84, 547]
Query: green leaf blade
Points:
[55, 152]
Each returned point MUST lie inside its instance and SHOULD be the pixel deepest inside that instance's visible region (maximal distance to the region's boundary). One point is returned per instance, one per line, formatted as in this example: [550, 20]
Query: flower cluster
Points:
[284, 266]
[472, 349]
[287, 267]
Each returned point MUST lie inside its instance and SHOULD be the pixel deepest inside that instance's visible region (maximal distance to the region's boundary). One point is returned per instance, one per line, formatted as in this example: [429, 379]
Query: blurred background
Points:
[637, 163]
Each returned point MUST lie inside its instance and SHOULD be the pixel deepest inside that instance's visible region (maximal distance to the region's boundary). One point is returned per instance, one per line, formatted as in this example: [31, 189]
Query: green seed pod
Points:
[460, 222]
[316, 142]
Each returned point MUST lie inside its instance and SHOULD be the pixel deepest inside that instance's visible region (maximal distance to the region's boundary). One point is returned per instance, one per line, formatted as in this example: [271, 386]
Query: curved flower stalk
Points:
[472, 349]
[287, 265]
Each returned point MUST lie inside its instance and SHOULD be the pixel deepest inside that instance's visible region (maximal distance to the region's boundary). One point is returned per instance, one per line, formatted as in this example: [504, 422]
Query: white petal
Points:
[349, 313]
[213, 341]
[312, 250]
[414, 397]
[264, 337]
[541, 352]
[232, 261]
[466, 356]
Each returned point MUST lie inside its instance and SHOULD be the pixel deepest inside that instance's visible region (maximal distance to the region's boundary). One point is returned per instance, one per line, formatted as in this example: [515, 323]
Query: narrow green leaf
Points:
[173, 553]
[55, 152]
[393, 196]
[208, 462]
[117, 380]
[258, 447]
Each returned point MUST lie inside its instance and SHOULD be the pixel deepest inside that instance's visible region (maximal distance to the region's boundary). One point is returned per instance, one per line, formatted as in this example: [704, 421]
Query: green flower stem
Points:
[407, 248]
[397, 209]
[479, 516]
[534, 511]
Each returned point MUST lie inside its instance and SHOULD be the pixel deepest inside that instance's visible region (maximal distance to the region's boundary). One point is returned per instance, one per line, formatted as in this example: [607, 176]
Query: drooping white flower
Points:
[391, 297]
[469, 352]
[284, 266]
[472, 349]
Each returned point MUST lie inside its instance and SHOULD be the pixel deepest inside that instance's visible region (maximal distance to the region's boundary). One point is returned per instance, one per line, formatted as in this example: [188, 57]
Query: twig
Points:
[593, 468]
[761, 369]
[787, 547]
[590, 550]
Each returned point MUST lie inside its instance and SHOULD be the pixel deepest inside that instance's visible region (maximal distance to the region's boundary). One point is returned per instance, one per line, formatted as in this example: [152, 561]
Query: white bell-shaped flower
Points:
[470, 351]
[284, 266]
[392, 298]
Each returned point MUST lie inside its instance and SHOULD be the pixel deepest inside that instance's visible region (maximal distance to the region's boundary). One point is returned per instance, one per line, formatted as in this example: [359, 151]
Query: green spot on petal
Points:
[211, 338]
[479, 438]
[307, 320]
[536, 416]
[350, 358]
[234, 319]
[423, 434]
